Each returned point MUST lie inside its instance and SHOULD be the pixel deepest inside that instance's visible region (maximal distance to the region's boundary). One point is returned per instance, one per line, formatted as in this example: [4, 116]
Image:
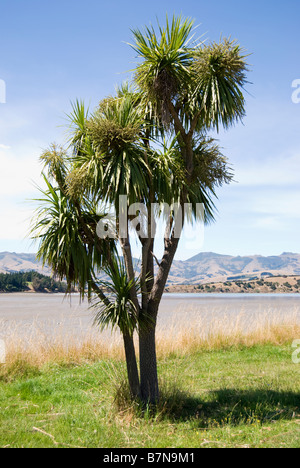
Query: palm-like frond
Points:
[85, 178]
[55, 160]
[167, 169]
[202, 81]
[77, 125]
[164, 71]
[116, 123]
[120, 312]
[63, 243]
[210, 171]
[219, 79]
[111, 162]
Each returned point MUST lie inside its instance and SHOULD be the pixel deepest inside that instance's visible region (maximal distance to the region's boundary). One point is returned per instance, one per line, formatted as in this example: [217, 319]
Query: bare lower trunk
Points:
[148, 365]
[132, 369]
[148, 361]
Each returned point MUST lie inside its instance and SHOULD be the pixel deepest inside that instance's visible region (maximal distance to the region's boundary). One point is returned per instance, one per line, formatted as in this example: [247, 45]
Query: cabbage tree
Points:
[147, 144]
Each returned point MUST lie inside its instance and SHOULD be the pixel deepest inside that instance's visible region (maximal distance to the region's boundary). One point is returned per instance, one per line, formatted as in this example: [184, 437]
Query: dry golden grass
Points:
[36, 349]
[58, 349]
[187, 341]
[227, 331]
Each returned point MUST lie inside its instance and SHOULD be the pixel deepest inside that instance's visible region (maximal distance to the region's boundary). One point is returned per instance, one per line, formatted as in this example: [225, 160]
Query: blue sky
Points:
[54, 52]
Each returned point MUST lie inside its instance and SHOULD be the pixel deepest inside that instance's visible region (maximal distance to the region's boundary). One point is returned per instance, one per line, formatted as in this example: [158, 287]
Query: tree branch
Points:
[155, 258]
[177, 123]
[171, 245]
[193, 126]
[100, 293]
[127, 254]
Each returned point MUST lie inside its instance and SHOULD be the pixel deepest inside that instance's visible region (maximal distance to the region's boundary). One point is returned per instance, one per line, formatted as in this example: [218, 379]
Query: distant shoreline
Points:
[269, 285]
[274, 285]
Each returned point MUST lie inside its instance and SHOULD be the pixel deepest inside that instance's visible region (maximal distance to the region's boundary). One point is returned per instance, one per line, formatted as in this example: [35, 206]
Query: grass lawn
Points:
[239, 397]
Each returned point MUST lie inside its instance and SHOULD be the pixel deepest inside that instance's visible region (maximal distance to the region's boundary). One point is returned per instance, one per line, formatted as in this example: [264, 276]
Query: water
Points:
[55, 314]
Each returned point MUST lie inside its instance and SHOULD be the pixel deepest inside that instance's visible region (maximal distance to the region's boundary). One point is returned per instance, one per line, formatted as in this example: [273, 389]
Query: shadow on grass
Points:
[220, 407]
[229, 406]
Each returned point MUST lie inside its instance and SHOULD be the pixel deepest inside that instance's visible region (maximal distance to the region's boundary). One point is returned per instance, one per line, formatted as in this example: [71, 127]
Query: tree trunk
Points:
[132, 369]
[148, 365]
[148, 362]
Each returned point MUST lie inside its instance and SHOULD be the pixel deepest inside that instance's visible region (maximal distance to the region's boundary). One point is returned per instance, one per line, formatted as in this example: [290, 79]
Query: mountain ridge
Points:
[205, 267]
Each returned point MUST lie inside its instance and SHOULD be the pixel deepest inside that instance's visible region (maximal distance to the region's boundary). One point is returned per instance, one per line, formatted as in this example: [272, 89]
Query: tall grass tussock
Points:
[35, 349]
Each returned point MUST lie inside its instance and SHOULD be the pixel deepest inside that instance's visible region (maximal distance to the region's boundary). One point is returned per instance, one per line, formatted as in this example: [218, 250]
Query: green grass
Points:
[241, 397]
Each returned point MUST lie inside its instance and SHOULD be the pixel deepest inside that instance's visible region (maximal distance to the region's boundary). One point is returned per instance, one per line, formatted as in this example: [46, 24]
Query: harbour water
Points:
[52, 314]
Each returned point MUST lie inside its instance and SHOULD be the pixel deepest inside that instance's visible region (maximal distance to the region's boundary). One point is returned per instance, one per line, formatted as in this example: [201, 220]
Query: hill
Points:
[206, 267]
[11, 262]
[210, 267]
